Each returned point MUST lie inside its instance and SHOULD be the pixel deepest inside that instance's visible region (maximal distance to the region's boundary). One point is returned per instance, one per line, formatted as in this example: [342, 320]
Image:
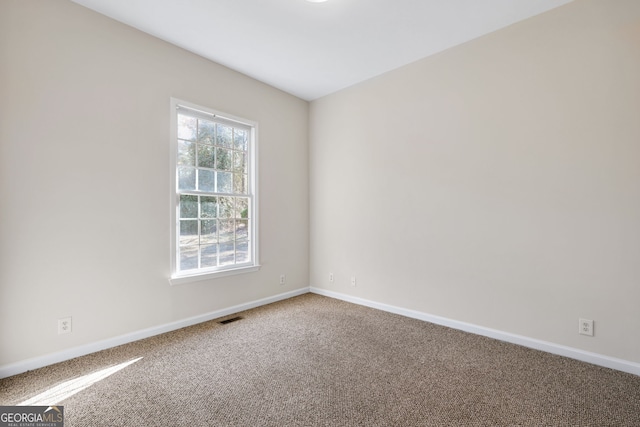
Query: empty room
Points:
[303, 212]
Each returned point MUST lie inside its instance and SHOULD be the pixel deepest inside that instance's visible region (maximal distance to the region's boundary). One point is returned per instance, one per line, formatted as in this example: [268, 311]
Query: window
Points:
[213, 194]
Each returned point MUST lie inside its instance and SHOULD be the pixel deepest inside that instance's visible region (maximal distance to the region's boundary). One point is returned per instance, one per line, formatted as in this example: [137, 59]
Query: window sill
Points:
[182, 279]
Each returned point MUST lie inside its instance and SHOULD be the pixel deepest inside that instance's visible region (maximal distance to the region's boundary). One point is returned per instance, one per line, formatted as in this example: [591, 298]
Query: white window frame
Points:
[180, 277]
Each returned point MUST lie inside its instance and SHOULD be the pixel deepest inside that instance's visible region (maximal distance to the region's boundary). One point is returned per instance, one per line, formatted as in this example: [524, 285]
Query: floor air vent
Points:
[233, 319]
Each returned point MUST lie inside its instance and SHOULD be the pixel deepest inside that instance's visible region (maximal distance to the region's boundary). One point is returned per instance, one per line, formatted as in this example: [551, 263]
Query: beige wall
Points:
[497, 183]
[84, 188]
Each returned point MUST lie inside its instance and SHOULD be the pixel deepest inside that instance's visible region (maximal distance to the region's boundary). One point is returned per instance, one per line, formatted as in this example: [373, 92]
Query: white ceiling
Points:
[313, 49]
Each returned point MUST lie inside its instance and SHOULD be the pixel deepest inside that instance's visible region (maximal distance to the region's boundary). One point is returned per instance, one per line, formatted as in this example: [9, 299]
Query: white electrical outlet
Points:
[585, 327]
[283, 279]
[353, 281]
[330, 277]
[64, 325]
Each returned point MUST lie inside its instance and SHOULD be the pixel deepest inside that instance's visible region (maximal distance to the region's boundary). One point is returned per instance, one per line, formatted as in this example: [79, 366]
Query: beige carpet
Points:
[316, 361]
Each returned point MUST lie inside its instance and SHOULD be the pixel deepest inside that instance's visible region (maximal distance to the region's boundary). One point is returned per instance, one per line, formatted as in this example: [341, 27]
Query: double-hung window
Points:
[213, 195]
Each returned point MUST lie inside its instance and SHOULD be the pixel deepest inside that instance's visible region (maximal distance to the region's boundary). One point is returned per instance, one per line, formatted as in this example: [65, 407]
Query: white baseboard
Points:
[61, 356]
[573, 353]
[594, 358]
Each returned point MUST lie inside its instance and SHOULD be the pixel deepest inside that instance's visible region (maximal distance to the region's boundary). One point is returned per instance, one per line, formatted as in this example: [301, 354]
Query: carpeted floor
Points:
[316, 361]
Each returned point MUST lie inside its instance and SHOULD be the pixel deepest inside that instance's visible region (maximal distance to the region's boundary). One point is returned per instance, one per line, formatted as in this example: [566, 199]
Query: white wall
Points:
[497, 183]
[84, 179]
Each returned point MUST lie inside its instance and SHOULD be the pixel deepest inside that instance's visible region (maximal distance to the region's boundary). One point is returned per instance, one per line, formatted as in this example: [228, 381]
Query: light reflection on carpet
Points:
[57, 394]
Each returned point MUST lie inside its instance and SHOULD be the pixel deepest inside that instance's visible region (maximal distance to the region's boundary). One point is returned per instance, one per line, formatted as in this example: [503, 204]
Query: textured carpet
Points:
[316, 361]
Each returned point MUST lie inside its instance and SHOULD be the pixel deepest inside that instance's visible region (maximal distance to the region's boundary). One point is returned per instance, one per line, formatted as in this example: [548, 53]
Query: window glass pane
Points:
[240, 139]
[242, 229]
[224, 182]
[186, 178]
[187, 127]
[188, 232]
[208, 207]
[224, 135]
[206, 180]
[239, 183]
[189, 258]
[226, 205]
[242, 207]
[188, 206]
[242, 252]
[186, 153]
[239, 162]
[226, 230]
[206, 157]
[208, 231]
[209, 256]
[224, 159]
[206, 131]
[227, 253]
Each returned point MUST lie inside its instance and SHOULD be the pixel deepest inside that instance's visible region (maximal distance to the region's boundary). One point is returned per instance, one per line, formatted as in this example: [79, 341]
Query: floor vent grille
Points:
[233, 319]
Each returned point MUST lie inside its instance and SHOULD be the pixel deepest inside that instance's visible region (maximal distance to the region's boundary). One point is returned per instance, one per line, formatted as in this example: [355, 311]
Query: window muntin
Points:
[214, 193]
